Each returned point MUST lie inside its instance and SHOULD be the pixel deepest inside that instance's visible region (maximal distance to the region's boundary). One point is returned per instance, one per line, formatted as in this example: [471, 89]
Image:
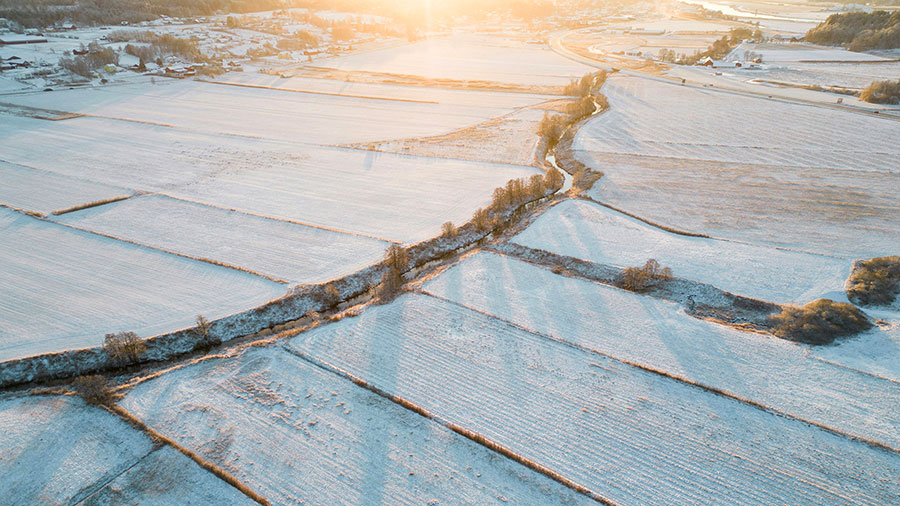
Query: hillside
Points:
[859, 31]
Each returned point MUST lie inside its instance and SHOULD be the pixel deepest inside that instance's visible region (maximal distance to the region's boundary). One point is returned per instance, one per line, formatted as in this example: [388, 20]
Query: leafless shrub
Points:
[482, 220]
[124, 347]
[637, 279]
[203, 326]
[448, 229]
[93, 389]
[585, 178]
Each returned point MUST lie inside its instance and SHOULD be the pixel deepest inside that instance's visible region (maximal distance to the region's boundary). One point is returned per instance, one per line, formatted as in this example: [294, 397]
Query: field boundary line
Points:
[283, 220]
[327, 93]
[210, 467]
[470, 435]
[713, 390]
[95, 487]
[89, 205]
[170, 252]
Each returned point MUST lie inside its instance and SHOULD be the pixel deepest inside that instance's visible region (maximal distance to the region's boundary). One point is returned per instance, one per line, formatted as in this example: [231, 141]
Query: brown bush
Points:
[553, 178]
[875, 281]
[584, 179]
[637, 279]
[124, 347]
[203, 326]
[93, 389]
[448, 229]
[819, 322]
[391, 285]
[482, 220]
[396, 258]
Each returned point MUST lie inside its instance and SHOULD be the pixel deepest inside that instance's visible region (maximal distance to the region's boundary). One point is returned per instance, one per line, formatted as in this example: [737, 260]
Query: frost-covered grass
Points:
[660, 335]
[817, 179]
[58, 450]
[592, 232]
[62, 289]
[392, 196]
[781, 53]
[45, 192]
[271, 114]
[632, 436]
[468, 57]
[166, 477]
[278, 249]
[298, 434]
[53, 449]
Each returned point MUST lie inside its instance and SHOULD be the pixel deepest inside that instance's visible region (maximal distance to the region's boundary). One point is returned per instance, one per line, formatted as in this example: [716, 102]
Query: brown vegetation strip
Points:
[209, 466]
[706, 388]
[645, 220]
[89, 205]
[468, 434]
[327, 93]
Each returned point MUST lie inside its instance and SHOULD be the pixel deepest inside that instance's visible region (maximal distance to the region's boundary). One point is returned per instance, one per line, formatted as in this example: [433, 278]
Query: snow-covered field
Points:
[271, 114]
[468, 57]
[632, 436]
[278, 249]
[592, 232]
[62, 289]
[300, 435]
[875, 352]
[57, 450]
[393, 196]
[817, 179]
[779, 53]
[45, 192]
[660, 335]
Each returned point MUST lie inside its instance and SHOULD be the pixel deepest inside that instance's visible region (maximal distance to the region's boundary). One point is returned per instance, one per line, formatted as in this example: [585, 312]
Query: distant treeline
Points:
[41, 13]
[859, 31]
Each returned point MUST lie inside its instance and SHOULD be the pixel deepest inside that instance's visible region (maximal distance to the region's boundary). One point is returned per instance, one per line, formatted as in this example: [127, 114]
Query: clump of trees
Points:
[875, 281]
[819, 322]
[514, 194]
[587, 85]
[882, 92]
[160, 46]
[638, 279]
[859, 31]
[87, 64]
[124, 347]
[719, 48]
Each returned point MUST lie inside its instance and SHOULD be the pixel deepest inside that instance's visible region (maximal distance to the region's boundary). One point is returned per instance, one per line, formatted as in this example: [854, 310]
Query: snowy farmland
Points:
[57, 450]
[818, 179]
[592, 232]
[470, 58]
[659, 335]
[278, 249]
[300, 435]
[391, 196]
[63, 289]
[274, 114]
[44, 192]
[629, 435]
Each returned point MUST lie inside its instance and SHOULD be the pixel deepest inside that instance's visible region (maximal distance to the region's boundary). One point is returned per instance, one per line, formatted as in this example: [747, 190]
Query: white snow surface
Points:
[874, 352]
[271, 114]
[300, 435]
[630, 435]
[468, 57]
[391, 196]
[592, 232]
[652, 118]
[45, 192]
[817, 179]
[777, 53]
[62, 289]
[167, 477]
[58, 450]
[279, 249]
[659, 335]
